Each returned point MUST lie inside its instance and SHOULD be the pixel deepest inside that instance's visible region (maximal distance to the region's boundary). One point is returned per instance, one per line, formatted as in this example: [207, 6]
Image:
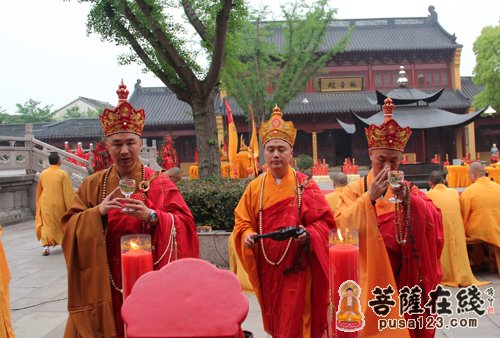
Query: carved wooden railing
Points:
[29, 154]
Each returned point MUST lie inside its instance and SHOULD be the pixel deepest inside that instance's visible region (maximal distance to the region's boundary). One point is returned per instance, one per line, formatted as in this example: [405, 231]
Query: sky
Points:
[46, 54]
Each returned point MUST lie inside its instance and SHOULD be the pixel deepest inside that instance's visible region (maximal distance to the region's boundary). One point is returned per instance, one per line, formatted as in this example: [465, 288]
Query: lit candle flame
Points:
[134, 245]
[340, 234]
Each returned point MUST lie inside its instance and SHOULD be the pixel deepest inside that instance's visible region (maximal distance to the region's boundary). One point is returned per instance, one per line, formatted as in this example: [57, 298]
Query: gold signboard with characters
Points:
[341, 84]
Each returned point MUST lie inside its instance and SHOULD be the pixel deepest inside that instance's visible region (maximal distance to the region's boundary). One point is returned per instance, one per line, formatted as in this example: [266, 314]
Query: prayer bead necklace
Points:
[105, 232]
[261, 198]
[398, 220]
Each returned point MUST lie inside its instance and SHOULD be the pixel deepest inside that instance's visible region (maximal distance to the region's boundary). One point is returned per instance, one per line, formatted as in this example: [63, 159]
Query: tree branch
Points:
[173, 57]
[195, 21]
[218, 47]
[181, 93]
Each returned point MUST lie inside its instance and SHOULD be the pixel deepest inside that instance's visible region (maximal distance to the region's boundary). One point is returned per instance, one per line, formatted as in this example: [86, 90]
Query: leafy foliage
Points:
[74, 112]
[212, 201]
[30, 112]
[487, 69]
[158, 38]
[304, 162]
[263, 74]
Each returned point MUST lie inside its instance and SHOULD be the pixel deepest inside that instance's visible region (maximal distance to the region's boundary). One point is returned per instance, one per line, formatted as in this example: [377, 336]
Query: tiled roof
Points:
[161, 106]
[83, 127]
[385, 34]
[359, 102]
[96, 103]
[469, 89]
[18, 130]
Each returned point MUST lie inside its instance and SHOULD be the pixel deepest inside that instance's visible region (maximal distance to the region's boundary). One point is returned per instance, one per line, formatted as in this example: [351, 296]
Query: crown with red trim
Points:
[389, 135]
[124, 119]
[277, 128]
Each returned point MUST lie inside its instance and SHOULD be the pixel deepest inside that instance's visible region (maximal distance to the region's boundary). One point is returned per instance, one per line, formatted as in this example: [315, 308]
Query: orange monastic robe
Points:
[6, 330]
[383, 261]
[454, 259]
[333, 198]
[54, 195]
[293, 304]
[480, 204]
[93, 303]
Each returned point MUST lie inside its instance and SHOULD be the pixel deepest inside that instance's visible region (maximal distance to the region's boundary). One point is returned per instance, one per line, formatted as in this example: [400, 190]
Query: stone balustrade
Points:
[22, 159]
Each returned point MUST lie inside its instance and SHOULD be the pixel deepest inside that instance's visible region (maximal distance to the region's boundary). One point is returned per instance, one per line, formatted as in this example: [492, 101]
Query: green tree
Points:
[487, 69]
[263, 74]
[74, 112]
[31, 113]
[159, 41]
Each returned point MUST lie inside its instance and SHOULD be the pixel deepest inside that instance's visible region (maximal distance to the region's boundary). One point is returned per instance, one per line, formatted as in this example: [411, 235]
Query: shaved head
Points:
[436, 177]
[339, 179]
[476, 170]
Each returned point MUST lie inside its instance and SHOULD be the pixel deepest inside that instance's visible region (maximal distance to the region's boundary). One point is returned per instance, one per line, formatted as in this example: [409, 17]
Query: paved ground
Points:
[39, 290]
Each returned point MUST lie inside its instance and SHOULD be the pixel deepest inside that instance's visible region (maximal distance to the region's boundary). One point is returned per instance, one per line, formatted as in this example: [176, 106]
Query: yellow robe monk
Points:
[54, 195]
[236, 267]
[383, 261]
[454, 259]
[333, 198]
[480, 204]
[91, 247]
[292, 304]
[6, 330]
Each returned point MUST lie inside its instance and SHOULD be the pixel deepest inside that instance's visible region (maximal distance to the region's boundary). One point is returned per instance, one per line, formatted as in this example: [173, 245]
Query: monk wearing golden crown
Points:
[400, 243]
[290, 275]
[99, 217]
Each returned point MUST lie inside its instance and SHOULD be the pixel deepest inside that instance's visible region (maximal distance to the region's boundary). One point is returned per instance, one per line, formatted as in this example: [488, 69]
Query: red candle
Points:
[136, 260]
[344, 266]
[135, 263]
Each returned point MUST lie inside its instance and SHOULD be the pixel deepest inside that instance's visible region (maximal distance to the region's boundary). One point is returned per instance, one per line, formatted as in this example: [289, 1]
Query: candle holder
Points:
[136, 259]
[346, 316]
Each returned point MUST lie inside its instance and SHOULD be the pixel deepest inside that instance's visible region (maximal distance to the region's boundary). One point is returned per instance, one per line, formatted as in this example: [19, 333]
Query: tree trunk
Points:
[206, 137]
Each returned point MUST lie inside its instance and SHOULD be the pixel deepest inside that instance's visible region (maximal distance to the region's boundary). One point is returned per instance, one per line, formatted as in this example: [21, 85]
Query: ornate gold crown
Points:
[124, 119]
[277, 128]
[389, 135]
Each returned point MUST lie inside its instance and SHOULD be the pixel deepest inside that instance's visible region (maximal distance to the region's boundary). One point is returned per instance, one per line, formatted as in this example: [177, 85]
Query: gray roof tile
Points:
[385, 34]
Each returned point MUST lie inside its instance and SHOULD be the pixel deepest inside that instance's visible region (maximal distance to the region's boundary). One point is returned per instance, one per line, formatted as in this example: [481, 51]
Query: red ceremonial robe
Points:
[383, 260]
[92, 300]
[286, 300]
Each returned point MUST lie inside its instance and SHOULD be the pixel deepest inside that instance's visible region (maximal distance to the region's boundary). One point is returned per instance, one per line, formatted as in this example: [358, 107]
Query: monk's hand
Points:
[379, 184]
[249, 240]
[302, 238]
[135, 208]
[110, 202]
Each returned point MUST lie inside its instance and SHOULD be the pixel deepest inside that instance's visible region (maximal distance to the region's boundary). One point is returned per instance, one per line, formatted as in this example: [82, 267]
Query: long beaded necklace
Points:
[261, 198]
[105, 231]
[402, 226]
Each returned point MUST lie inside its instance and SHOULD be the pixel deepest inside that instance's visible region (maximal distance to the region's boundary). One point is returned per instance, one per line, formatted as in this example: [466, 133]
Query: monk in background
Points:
[454, 259]
[6, 330]
[54, 195]
[480, 203]
[339, 182]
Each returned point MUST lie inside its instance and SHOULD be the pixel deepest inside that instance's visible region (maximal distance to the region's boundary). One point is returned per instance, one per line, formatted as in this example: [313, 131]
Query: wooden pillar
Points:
[459, 133]
[456, 82]
[423, 157]
[315, 147]
[470, 145]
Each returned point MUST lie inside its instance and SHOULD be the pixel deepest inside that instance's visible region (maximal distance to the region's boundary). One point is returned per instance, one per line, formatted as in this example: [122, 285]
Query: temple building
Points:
[343, 97]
